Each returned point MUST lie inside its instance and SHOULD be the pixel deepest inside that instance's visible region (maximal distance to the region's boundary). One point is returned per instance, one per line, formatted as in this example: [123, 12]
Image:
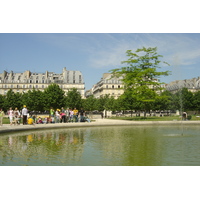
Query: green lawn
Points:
[6, 120]
[153, 118]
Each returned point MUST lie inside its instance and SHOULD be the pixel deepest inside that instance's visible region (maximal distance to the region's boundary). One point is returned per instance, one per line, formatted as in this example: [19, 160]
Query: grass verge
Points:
[154, 118]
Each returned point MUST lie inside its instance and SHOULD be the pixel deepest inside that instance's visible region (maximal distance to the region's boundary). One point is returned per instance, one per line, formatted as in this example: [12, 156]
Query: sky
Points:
[96, 53]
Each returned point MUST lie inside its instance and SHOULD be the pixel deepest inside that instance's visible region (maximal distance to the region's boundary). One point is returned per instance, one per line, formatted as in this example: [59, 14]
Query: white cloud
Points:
[108, 50]
[110, 57]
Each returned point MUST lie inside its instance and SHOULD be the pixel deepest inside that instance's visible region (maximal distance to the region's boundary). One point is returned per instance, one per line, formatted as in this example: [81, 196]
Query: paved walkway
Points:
[98, 122]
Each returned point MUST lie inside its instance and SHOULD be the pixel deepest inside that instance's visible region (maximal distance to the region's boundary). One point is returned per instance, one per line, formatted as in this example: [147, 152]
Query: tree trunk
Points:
[145, 113]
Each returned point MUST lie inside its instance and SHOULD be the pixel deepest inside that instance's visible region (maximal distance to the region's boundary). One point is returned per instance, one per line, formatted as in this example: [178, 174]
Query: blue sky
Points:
[96, 53]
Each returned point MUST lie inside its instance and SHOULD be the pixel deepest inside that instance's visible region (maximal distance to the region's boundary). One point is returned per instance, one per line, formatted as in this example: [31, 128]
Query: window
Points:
[118, 86]
[112, 86]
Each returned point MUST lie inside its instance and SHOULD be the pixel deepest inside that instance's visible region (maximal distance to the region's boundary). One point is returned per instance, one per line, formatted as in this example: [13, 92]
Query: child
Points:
[30, 121]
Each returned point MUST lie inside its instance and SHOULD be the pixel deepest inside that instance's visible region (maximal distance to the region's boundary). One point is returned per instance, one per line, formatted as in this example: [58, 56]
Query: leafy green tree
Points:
[11, 100]
[196, 101]
[164, 101]
[141, 74]
[89, 104]
[54, 97]
[184, 100]
[34, 100]
[2, 99]
[102, 103]
[73, 99]
[111, 104]
[129, 102]
[18, 97]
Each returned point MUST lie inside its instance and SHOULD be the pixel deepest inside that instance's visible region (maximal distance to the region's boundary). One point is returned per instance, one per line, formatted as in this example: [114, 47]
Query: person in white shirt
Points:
[24, 114]
[57, 116]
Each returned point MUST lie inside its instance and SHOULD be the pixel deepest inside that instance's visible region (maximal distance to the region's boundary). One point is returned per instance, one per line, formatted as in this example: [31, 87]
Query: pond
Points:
[103, 146]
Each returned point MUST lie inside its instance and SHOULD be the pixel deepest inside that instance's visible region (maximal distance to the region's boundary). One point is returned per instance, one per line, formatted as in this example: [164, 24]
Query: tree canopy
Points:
[73, 99]
[141, 76]
[54, 97]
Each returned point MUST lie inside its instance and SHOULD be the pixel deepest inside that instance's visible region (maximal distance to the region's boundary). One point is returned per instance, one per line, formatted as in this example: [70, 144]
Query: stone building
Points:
[107, 85]
[22, 82]
[192, 85]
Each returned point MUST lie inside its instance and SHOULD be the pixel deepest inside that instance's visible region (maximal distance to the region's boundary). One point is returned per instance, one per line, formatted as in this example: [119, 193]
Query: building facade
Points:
[22, 82]
[192, 85]
[107, 85]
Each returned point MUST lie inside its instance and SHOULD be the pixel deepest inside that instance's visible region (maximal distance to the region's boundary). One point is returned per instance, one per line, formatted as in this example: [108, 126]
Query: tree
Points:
[34, 100]
[2, 100]
[54, 97]
[73, 99]
[11, 100]
[184, 100]
[197, 101]
[18, 102]
[111, 104]
[164, 101]
[128, 102]
[140, 76]
[102, 103]
[89, 104]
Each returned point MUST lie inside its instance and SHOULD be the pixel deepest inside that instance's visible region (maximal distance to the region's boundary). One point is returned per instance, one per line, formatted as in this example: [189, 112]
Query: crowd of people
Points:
[68, 115]
[55, 116]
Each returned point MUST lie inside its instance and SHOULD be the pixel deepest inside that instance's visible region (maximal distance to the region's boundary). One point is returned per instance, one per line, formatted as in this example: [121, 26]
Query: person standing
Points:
[82, 112]
[24, 115]
[63, 115]
[1, 116]
[17, 116]
[75, 114]
[71, 115]
[10, 115]
[52, 114]
[57, 116]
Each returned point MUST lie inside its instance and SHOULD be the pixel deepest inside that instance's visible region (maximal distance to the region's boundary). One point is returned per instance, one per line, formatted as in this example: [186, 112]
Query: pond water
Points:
[103, 146]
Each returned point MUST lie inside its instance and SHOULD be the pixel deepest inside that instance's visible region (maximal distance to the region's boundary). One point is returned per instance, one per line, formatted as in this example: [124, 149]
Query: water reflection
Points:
[41, 148]
[103, 146]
